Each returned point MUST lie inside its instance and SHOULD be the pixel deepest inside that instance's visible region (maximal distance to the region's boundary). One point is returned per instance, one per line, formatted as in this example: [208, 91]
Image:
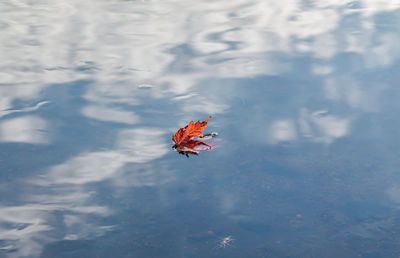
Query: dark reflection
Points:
[187, 150]
[304, 94]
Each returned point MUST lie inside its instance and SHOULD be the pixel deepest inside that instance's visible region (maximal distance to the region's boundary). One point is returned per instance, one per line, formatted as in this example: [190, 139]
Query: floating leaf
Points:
[192, 130]
[184, 138]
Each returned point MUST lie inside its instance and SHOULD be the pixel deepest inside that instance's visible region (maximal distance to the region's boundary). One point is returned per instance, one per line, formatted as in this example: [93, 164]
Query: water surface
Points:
[304, 96]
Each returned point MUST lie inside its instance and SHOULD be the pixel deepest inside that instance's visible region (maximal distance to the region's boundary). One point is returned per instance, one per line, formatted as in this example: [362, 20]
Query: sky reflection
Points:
[197, 59]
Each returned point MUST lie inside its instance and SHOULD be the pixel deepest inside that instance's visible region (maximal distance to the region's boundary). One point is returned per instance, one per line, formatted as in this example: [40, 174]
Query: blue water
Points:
[304, 96]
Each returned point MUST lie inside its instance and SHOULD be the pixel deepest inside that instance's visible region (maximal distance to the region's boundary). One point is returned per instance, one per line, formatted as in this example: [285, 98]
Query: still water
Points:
[304, 96]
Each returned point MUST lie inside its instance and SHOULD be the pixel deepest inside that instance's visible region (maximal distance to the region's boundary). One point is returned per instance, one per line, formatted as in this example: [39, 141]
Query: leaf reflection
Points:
[193, 147]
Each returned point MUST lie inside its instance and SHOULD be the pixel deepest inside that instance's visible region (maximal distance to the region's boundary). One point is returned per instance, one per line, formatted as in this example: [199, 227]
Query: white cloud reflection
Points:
[322, 127]
[25, 129]
[283, 130]
[25, 229]
[120, 42]
[109, 114]
[64, 188]
[137, 47]
[139, 145]
[318, 126]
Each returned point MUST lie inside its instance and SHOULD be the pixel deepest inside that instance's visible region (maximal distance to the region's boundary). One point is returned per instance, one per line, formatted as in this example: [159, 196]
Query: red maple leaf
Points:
[183, 138]
[192, 130]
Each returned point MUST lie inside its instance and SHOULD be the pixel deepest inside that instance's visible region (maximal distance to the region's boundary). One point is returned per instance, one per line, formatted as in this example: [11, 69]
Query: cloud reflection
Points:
[139, 145]
[103, 113]
[319, 126]
[64, 188]
[323, 127]
[283, 130]
[25, 129]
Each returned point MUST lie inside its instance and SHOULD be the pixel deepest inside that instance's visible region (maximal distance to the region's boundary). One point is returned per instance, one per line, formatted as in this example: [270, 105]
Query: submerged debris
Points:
[224, 242]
